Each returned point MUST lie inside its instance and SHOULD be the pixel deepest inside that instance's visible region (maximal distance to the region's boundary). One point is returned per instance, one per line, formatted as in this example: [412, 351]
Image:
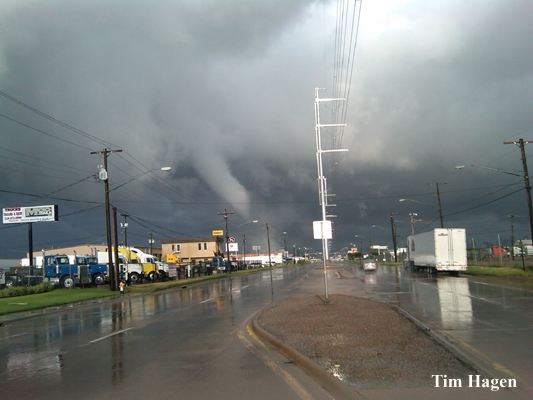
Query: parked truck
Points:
[128, 271]
[60, 272]
[99, 271]
[147, 261]
[441, 249]
[220, 264]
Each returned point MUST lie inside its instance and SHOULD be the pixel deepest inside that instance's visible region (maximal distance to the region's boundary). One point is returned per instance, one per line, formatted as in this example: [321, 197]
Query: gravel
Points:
[367, 344]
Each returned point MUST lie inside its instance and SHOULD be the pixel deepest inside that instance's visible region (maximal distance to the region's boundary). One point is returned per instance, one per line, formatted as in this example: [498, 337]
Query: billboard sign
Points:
[16, 215]
[217, 232]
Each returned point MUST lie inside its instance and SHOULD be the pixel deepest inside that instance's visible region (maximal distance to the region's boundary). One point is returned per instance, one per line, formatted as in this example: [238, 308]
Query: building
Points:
[91, 249]
[192, 249]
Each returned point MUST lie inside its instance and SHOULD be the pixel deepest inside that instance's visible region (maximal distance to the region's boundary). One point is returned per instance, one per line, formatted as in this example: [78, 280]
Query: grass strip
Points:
[59, 297]
[56, 297]
[499, 271]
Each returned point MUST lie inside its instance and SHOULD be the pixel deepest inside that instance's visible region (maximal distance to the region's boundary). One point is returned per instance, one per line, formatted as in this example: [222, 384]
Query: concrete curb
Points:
[334, 386]
[446, 342]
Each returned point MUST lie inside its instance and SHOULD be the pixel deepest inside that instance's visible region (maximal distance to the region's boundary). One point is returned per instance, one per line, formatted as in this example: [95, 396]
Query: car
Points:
[369, 265]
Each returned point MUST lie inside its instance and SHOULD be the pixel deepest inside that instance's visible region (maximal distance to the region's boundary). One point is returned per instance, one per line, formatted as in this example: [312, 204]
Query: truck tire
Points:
[9, 283]
[98, 279]
[135, 278]
[67, 282]
[151, 276]
[162, 275]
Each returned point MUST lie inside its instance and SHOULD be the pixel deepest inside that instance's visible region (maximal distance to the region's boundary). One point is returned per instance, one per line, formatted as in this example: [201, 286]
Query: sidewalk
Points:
[292, 325]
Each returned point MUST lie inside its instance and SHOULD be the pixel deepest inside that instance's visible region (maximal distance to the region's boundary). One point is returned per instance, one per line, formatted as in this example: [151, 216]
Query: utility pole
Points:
[103, 176]
[512, 235]
[393, 227]
[244, 251]
[225, 214]
[151, 241]
[521, 143]
[116, 272]
[438, 198]
[322, 181]
[411, 214]
[294, 253]
[125, 226]
[270, 263]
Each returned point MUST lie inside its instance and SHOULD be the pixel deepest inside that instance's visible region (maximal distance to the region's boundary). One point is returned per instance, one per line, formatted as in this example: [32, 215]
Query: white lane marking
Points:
[14, 336]
[205, 301]
[112, 334]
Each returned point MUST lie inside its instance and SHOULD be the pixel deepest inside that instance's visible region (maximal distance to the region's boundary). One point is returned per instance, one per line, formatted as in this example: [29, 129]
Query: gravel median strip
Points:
[364, 343]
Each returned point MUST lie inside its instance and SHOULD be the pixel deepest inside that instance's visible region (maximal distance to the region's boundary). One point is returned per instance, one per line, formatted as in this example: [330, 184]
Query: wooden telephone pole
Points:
[521, 143]
[113, 266]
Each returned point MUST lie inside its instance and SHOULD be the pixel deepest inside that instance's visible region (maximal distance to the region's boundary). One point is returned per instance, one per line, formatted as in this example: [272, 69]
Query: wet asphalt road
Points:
[490, 320]
[193, 343]
[189, 343]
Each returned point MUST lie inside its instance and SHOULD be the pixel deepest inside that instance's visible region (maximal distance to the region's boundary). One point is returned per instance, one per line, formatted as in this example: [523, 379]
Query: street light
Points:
[244, 241]
[141, 174]
[247, 222]
[361, 249]
[490, 168]
[378, 226]
[225, 214]
[125, 226]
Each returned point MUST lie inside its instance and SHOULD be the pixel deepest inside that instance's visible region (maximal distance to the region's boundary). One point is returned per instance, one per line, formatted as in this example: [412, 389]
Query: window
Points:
[205, 246]
[199, 246]
[172, 247]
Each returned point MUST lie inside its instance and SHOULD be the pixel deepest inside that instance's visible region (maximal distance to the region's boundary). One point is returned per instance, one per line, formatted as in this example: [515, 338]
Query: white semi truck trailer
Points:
[441, 249]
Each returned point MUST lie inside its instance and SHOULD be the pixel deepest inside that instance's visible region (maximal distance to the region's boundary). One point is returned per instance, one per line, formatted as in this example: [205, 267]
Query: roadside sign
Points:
[172, 273]
[231, 239]
[232, 247]
[15, 215]
[217, 232]
[322, 230]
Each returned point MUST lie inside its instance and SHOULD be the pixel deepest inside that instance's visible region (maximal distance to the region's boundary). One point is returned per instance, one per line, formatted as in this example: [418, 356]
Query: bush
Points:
[26, 290]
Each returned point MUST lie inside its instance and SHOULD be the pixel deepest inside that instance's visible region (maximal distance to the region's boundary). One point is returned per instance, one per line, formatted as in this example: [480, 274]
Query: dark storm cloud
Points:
[222, 91]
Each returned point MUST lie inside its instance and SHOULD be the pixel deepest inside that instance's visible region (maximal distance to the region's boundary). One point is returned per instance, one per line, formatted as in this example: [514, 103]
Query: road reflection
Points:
[117, 344]
[103, 339]
[439, 298]
[455, 304]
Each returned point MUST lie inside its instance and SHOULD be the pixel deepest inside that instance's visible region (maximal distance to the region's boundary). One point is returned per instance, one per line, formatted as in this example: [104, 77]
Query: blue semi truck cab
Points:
[99, 272]
[221, 264]
[60, 272]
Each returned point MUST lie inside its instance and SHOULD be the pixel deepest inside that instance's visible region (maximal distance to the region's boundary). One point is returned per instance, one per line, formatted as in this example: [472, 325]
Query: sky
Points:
[223, 93]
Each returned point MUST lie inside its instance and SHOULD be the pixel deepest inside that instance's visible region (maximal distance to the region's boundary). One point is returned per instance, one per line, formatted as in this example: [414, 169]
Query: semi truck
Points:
[220, 264]
[441, 249]
[99, 271]
[147, 262]
[128, 271]
[60, 272]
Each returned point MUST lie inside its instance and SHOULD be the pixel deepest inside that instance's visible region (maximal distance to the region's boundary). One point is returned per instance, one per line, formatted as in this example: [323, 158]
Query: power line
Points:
[63, 124]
